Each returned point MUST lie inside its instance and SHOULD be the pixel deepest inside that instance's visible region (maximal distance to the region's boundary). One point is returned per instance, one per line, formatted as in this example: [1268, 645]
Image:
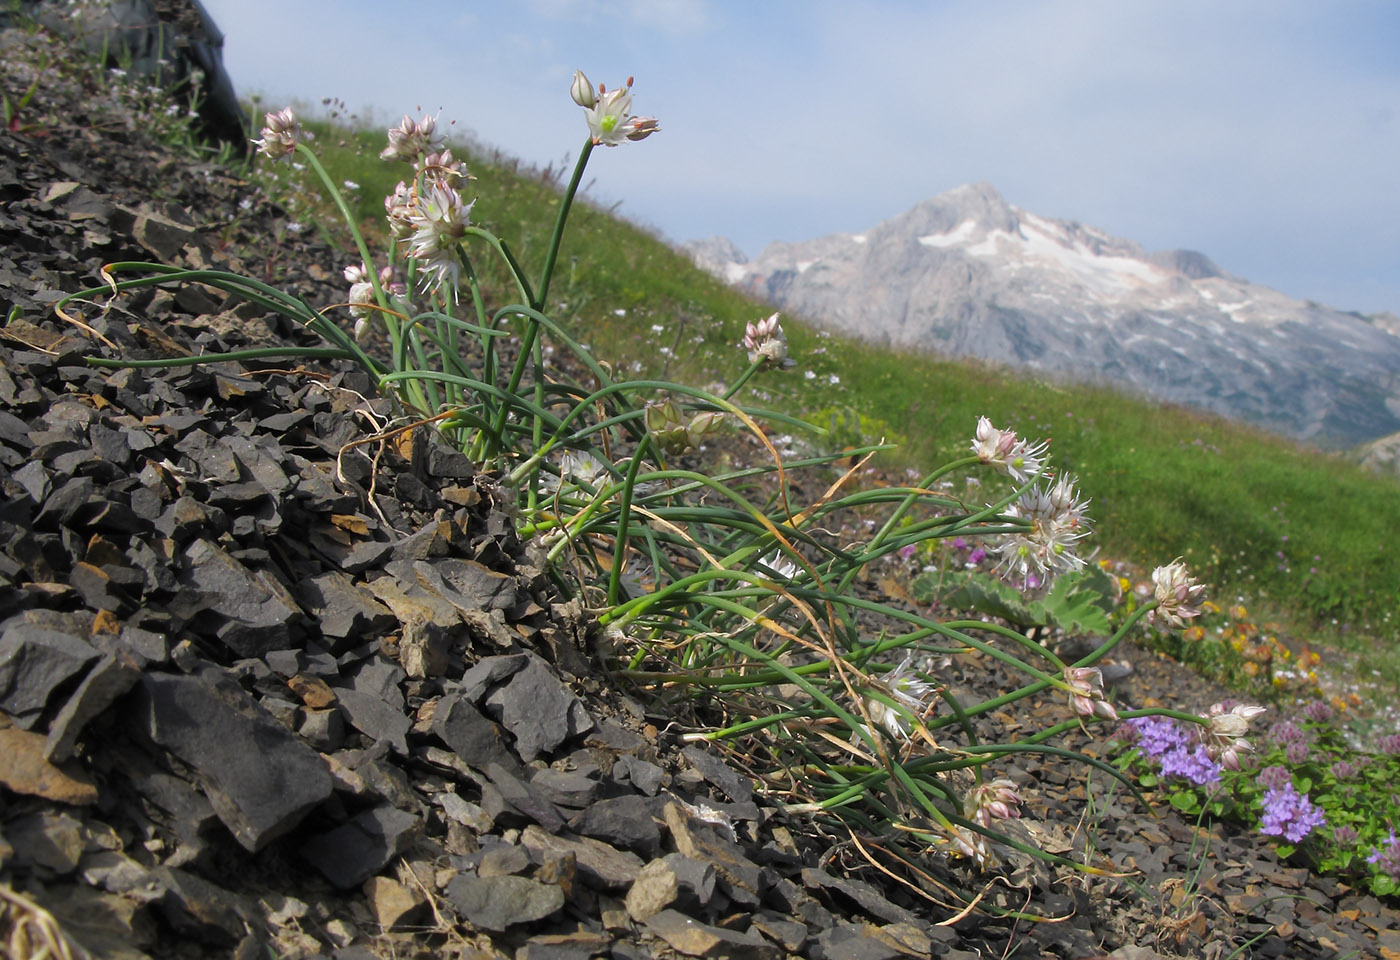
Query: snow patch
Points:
[1046, 244]
[734, 272]
[859, 238]
[951, 238]
[804, 265]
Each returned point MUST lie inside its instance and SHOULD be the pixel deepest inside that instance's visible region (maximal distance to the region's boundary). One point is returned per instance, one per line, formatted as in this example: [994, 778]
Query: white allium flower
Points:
[443, 166]
[279, 136]
[903, 686]
[1086, 693]
[780, 566]
[1017, 458]
[409, 140]
[765, 341]
[994, 800]
[610, 119]
[398, 207]
[1058, 523]
[361, 292]
[1224, 735]
[1178, 595]
[440, 220]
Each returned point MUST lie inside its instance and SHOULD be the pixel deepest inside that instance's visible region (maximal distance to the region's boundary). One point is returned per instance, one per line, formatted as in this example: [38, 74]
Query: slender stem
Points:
[558, 236]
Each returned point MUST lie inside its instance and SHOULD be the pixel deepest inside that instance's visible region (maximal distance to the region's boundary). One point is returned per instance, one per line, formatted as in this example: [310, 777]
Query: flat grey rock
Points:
[359, 848]
[499, 903]
[538, 709]
[256, 609]
[470, 735]
[113, 676]
[259, 777]
[35, 662]
[623, 822]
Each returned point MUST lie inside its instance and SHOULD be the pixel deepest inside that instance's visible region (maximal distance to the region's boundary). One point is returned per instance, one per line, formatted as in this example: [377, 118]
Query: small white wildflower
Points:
[1086, 693]
[440, 220]
[1224, 736]
[903, 686]
[1002, 449]
[1178, 595]
[766, 343]
[610, 119]
[1057, 524]
[994, 800]
[280, 135]
[779, 566]
[409, 140]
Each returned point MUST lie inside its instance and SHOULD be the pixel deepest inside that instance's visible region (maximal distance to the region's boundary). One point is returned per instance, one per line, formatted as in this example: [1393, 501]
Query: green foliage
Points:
[1078, 603]
[847, 428]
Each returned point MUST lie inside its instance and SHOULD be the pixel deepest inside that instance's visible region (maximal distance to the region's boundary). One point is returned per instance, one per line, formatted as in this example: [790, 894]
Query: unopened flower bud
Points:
[1086, 693]
[582, 90]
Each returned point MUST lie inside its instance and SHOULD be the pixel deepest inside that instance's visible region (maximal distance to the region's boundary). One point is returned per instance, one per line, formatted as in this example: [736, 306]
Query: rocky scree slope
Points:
[272, 685]
[967, 274]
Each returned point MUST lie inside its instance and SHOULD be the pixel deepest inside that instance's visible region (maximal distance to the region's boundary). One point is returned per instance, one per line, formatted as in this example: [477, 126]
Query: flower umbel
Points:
[1225, 730]
[609, 116]
[280, 135]
[1179, 595]
[409, 140]
[1086, 693]
[766, 343]
[1019, 459]
[1057, 524]
[671, 432]
[996, 800]
[903, 686]
[440, 220]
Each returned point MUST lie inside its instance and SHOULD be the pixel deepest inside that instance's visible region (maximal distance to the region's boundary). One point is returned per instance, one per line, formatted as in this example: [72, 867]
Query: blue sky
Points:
[1264, 134]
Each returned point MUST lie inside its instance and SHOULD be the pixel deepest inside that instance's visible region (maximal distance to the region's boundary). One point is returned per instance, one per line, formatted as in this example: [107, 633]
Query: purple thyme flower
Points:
[1389, 858]
[1178, 753]
[1343, 770]
[1344, 835]
[1297, 752]
[1285, 732]
[1390, 744]
[1319, 711]
[1156, 735]
[1273, 778]
[1289, 814]
[1194, 765]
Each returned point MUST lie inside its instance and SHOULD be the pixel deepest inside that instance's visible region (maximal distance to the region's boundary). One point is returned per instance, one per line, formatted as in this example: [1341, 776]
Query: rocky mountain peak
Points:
[966, 273]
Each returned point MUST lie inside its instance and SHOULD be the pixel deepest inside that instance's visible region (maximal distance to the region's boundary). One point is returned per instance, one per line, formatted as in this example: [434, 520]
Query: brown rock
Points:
[394, 904]
[23, 769]
[695, 939]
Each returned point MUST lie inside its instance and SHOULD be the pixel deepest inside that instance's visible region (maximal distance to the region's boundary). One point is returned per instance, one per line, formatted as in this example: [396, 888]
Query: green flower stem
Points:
[558, 236]
[522, 285]
[391, 322]
[624, 507]
[744, 378]
[233, 356]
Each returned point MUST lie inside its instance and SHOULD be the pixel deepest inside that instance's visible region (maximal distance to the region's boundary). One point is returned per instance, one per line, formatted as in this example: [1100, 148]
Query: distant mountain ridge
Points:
[967, 274]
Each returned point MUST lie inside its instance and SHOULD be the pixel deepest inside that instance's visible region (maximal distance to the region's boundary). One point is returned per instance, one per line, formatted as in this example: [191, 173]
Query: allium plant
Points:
[716, 583]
